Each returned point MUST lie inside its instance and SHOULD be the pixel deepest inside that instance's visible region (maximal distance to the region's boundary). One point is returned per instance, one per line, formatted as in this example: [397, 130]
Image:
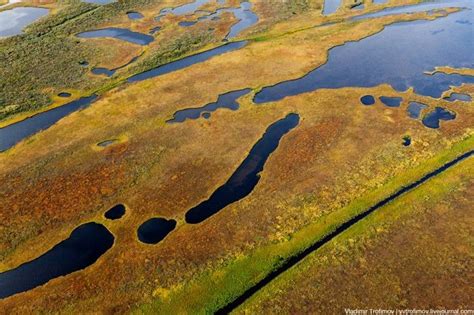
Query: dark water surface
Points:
[458, 97]
[406, 141]
[227, 100]
[106, 143]
[431, 119]
[64, 94]
[187, 61]
[154, 230]
[119, 33]
[367, 100]
[116, 212]
[391, 101]
[132, 15]
[14, 133]
[187, 23]
[247, 175]
[83, 247]
[414, 109]
[393, 56]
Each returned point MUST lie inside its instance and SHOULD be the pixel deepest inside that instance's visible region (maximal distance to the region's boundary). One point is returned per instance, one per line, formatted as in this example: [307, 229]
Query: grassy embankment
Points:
[412, 253]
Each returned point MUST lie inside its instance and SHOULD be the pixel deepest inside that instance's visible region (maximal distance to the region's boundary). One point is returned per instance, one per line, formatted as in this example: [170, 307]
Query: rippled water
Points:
[399, 55]
[13, 21]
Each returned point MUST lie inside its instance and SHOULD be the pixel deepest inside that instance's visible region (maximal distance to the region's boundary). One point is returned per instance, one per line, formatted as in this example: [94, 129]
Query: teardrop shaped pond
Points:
[367, 100]
[154, 230]
[115, 213]
[81, 249]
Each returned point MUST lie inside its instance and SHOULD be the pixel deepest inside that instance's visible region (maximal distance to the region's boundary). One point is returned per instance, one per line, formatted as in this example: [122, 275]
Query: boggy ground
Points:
[339, 160]
[415, 253]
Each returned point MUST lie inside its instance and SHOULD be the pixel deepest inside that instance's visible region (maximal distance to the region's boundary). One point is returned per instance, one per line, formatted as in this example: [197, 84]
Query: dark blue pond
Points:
[458, 97]
[367, 100]
[406, 141]
[155, 30]
[103, 71]
[246, 18]
[431, 119]
[83, 247]
[187, 61]
[414, 109]
[106, 143]
[135, 15]
[64, 94]
[13, 21]
[393, 56]
[246, 176]
[154, 230]
[119, 33]
[16, 132]
[116, 212]
[360, 6]
[391, 101]
[186, 23]
[227, 100]
[331, 6]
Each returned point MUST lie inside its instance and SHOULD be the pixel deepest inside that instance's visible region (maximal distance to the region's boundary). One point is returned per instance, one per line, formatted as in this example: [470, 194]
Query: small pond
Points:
[414, 109]
[154, 230]
[391, 101]
[116, 212]
[367, 100]
[458, 97]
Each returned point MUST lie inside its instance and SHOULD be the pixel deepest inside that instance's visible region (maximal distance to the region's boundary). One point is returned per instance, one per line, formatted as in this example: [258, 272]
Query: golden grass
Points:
[340, 152]
[412, 253]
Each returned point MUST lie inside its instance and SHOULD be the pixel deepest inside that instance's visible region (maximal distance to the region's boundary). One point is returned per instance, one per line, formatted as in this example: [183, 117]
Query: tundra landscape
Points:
[245, 157]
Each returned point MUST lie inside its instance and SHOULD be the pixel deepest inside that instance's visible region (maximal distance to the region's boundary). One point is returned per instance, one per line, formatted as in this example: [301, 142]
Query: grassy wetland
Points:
[338, 161]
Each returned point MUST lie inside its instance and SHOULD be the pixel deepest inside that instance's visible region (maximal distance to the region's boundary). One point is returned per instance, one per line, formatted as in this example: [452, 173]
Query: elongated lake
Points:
[83, 247]
[399, 55]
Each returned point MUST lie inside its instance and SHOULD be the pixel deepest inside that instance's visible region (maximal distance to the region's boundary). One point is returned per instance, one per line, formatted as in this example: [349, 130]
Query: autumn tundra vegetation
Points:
[276, 191]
